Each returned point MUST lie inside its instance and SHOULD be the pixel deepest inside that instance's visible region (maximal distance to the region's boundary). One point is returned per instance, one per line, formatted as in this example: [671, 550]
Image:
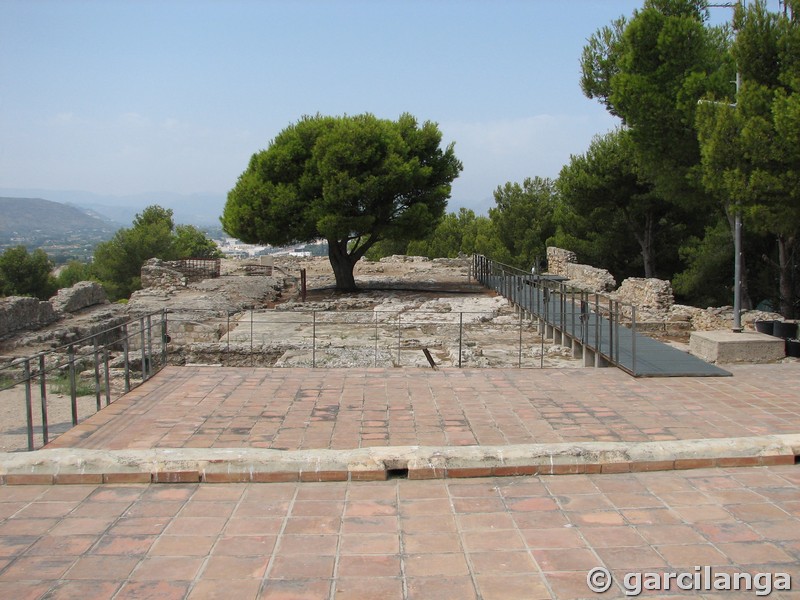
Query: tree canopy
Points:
[26, 274]
[352, 180]
[118, 262]
[750, 141]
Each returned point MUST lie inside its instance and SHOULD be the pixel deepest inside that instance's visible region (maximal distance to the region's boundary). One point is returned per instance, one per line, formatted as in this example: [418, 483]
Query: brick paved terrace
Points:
[301, 409]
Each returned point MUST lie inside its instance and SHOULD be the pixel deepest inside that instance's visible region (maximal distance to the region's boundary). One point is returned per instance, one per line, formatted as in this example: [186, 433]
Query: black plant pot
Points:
[784, 329]
[793, 348]
[765, 327]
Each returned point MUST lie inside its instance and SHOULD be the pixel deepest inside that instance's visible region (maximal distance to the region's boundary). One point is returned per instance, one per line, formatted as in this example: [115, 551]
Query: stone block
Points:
[730, 347]
[81, 295]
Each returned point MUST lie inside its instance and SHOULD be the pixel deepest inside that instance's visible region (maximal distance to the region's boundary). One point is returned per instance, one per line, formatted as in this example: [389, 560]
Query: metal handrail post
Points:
[106, 376]
[144, 349]
[314, 339]
[633, 340]
[616, 338]
[126, 358]
[163, 338]
[149, 346]
[73, 387]
[96, 354]
[43, 398]
[611, 328]
[460, 335]
[398, 339]
[26, 373]
[596, 323]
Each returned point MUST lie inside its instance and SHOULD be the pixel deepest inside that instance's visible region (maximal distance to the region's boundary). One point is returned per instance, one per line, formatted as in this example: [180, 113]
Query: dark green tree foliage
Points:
[350, 180]
[460, 233]
[523, 221]
[610, 212]
[751, 143]
[650, 71]
[118, 262]
[73, 272]
[26, 274]
[190, 242]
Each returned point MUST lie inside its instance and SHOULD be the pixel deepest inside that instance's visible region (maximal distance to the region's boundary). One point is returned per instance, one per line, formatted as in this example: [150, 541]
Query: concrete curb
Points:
[226, 465]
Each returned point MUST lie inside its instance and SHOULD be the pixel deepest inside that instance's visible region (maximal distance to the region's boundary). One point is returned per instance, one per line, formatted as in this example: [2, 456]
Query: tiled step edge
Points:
[230, 465]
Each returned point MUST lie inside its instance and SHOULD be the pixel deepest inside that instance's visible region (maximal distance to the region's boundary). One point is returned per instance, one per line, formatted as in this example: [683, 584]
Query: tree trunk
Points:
[343, 265]
[785, 268]
[645, 239]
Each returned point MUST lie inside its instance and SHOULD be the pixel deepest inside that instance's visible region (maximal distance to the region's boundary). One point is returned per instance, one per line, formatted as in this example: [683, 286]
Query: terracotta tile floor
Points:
[505, 538]
[339, 409]
[483, 538]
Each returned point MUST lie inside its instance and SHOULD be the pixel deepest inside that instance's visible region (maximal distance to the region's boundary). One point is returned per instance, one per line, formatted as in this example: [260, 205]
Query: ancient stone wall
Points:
[558, 259]
[81, 295]
[648, 295]
[564, 263]
[18, 314]
[157, 273]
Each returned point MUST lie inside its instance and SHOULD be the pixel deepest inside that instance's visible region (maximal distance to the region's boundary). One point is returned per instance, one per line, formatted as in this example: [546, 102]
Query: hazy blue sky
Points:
[123, 97]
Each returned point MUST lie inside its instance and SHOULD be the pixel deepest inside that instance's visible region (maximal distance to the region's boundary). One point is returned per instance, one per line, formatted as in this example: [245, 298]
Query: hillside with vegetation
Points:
[59, 229]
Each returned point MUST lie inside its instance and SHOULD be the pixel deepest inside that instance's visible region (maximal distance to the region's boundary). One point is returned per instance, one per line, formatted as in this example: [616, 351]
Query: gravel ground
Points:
[13, 428]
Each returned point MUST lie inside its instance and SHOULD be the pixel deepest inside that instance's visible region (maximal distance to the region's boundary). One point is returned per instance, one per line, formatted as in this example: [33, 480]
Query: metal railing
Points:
[142, 348]
[320, 338]
[602, 324]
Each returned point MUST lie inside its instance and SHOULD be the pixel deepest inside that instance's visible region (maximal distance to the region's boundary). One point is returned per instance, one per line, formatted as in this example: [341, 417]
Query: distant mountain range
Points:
[201, 210]
[38, 218]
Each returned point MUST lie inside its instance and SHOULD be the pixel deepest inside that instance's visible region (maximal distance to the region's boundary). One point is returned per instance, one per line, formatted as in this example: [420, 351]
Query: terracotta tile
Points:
[379, 524]
[373, 565]
[301, 566]
[222, 589]
[429, 565]
[235, 567]
[502, 562]
[191, 525]
[444, 588]
[245, 545]
[377, 588]
[86, 590]
[296, 589]
[40, 567]
[428, 524]
[369, 543]
[599, 537]
[481, 521]
[24, 590]
[134, 545]
[512, 587]
[182, 545]
[103, 568]
[630, 558]
[253, 526]
[476, 541]
[61, 545]
[313, 525]
[308, 544]
[153, 590]
[754, 553]
[669, 534]
[565, 559]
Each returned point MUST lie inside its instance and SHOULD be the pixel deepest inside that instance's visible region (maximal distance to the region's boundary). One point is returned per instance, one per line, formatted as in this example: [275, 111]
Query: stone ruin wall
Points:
[654, 299]
[18, 313]
[157, 273]
[591, 279]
